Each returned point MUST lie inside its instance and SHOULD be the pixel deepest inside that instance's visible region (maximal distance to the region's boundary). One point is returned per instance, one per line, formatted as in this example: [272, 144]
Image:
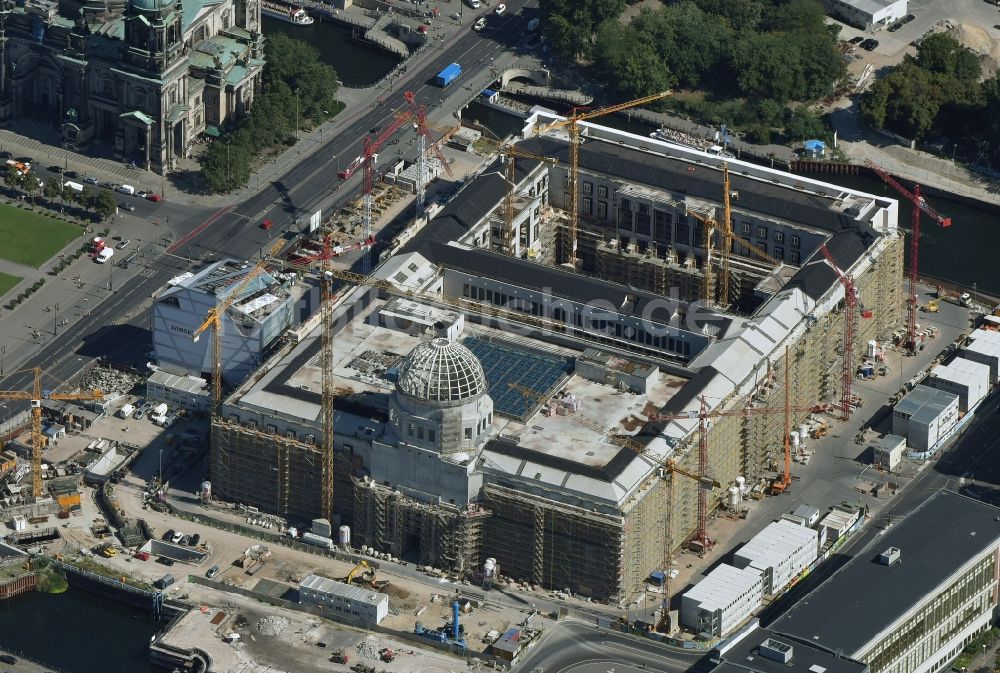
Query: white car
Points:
[177, 538]
[501, 8]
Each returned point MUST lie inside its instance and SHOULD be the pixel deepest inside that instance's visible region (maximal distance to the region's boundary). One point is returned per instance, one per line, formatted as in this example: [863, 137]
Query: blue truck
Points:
[448, 75]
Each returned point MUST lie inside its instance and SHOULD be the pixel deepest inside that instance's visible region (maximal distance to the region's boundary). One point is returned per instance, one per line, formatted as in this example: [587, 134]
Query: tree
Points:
[13, 178]
[804, 124]
[943, 54]
[105, 204]
[52, 189]
[86, 197]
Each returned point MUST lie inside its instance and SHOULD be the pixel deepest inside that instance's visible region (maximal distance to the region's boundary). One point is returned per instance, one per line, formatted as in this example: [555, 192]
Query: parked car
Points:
[72, 175]
[186, 540]
[177, 537]
[142, 194]
[124, 244]
[90, 180]
[212, 572]
[501, 8]
[155, 198]
[894, 27]
[869, 44]
[858, 39]
[126, 206]
[139, 413]
[8, 659]
[195, 539]
[5, 155]
[142, 555]
[55, 169]
[479, 24]
[169, 535]
[25, 160]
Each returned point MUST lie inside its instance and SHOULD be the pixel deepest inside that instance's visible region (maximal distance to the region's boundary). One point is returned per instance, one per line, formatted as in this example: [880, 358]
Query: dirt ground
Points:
[305, 644]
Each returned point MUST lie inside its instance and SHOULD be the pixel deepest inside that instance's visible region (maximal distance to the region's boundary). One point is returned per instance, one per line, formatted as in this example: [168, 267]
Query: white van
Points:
[126, 189]
[104, 255]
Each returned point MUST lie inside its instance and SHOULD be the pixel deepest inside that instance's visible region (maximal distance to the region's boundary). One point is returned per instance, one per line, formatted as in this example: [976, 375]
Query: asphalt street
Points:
[574, 647]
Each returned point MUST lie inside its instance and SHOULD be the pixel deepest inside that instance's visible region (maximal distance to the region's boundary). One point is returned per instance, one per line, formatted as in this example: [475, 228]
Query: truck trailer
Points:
[448, 75]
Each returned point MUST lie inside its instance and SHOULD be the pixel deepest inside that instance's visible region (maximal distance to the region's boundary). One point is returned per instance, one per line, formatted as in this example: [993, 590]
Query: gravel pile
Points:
[272, 625]
[369, 649]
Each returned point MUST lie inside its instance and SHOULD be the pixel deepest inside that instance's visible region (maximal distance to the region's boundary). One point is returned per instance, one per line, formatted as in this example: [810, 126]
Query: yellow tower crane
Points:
[327, 395]
[35, 397]
[727, 230]
[512, 153]
[708, 274]
[572, 123]
[214, 320]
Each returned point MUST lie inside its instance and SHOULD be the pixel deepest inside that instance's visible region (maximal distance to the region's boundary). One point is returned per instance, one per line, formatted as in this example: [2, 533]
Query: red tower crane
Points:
[372, 146]
[919, 205]
[703, 415]
[423, 139]
[852, 302]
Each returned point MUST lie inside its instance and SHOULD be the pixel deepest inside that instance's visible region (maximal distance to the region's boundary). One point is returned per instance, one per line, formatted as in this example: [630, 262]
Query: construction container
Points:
[69, 500]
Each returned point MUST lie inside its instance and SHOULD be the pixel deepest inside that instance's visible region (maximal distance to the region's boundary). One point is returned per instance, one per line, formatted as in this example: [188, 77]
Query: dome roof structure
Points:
[441, 372]
[152, 5]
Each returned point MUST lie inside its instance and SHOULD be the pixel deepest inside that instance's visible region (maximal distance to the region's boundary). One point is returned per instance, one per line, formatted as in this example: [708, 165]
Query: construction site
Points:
[563, 372]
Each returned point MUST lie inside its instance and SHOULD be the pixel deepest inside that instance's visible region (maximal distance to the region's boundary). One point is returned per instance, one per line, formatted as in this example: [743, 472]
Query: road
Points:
[234, 230]
[574, 647]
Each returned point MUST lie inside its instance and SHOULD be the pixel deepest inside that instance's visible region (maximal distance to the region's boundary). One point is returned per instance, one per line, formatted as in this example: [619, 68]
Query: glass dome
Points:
[441, 372]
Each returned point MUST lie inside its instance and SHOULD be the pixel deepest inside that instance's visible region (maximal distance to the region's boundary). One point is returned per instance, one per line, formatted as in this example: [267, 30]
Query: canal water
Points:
[358, 64]
[78, 632]
[962, 254]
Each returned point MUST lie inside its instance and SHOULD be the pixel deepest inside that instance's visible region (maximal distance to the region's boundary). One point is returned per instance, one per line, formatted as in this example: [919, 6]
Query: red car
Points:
[266, 224]
[154, 198]
[142, 555]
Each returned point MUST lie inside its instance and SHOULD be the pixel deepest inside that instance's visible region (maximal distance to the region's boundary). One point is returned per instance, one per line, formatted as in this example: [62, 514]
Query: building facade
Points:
[925, 416]
[144, 77]
[254, 320]
[343, 601]
[780, 553]
[866, 14]
[722, 601]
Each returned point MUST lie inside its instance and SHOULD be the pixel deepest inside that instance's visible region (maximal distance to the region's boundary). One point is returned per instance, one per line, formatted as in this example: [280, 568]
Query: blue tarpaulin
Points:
[815, 145]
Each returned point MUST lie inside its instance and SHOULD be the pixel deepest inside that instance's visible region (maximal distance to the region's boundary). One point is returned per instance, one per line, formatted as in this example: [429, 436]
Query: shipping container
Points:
[448, 75]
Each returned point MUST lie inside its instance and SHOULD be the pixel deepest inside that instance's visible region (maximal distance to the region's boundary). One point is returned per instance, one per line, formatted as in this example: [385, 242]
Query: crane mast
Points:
[572, 124]
[920, 205]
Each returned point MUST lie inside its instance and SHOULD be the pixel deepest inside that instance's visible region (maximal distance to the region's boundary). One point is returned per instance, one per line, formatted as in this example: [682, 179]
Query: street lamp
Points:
[296, 115]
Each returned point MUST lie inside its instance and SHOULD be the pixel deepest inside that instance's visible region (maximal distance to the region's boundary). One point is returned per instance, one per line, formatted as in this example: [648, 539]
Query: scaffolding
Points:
[441, 535]
[570, 547]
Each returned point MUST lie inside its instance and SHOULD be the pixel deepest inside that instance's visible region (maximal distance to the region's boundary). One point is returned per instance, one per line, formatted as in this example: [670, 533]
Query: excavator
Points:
[366, 576]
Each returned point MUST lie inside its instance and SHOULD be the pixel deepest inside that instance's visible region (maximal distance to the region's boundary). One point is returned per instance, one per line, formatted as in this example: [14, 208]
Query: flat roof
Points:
[335, 588]
[778, 542]
[925, 403]
[188, 384]
[744, 657]
[863, 598]
[722, 586]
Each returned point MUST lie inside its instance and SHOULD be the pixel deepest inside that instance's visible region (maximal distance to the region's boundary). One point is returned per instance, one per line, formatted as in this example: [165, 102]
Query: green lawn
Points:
[31, 239]
[7, 282]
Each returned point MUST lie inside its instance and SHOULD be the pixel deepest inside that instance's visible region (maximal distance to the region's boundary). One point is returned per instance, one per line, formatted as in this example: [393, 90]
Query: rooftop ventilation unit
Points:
[889, 556]
[776, 651]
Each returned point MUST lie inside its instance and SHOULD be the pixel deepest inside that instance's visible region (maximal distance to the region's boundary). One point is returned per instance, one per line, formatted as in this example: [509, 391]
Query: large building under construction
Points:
[498, 400]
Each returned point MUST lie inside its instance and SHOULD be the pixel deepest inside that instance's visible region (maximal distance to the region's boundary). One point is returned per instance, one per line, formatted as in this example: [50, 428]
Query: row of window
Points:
[779, 236]
[593, 324]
